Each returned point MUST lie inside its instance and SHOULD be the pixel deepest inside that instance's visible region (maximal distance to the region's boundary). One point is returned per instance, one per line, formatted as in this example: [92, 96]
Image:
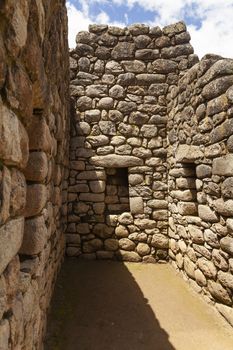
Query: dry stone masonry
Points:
[118, 171]
[34, 139]
[152, 123]
[140, 170]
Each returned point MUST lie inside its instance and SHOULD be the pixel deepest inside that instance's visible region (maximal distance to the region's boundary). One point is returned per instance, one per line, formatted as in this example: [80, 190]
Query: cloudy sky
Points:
[210, 22]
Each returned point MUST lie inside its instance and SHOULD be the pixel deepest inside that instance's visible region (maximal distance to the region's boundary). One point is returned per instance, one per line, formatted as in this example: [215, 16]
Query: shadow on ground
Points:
[99, 306]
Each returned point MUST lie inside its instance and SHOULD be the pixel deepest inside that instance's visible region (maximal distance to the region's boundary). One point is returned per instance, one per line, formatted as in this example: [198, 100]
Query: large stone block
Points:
[223, 166]
[13, 138]
[37, 167]
[123, 51]
[35, 236]
[36, 199]
[18, 192]
[207, 214]
[11, 235]
[39, 135]
[116, 161]
[219, 293]
[136, 205]
[188, 153]
[226, 243]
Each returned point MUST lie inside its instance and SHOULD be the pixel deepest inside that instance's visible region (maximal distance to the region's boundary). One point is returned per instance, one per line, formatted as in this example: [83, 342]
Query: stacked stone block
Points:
[200, 163]
[34, 139]
[119, 82]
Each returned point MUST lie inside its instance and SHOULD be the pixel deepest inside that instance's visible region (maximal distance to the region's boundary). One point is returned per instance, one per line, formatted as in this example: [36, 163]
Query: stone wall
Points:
[200, 180]
[34, 135]
[119, 82]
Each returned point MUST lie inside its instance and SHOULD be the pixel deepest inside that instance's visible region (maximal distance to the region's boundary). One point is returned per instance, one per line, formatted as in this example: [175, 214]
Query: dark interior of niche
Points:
[117, 191]
[190, 174]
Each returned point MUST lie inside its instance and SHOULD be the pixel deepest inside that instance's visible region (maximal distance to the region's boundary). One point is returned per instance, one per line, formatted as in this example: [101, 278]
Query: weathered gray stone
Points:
[207, 267]
[226, 243]
[121, 231]
[91, 197]
[37, 167]
[115, 116]
[125, 219]
[158, 89]
[203, 171]
[117, 91]
[188, 154]
[227, 188]
[138, 118]
[97, 141]
[35, 236]
[116, 161]
[129, 256]
[13, 138]
[143, 249]
[159, 241]
[126, 107]
[147, 54]
[97, 186]
[187, 208]
[211, 238]
[196, 234]
[107, 127]
[36, 199]
[224, 207]
[206, 214]
[164, 66]
[175, 28]
[223, 166]
[222, 131]
[11, 236]
[96, 90]
[138, 29]
[219, 293]
[148, 79]
[219, 260]
[217, 87]
[105, 103]
[92, 246]
[134, 66]
[126, 244]
[111, 244]
[92, 116]
[178, 50]
[136, 205]
[189, 267]
[200, 278]
[123, 51]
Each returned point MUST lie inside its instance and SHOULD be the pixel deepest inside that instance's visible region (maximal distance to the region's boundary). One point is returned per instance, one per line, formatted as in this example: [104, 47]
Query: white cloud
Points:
[102, 17]
[77, 21]
[211, 29]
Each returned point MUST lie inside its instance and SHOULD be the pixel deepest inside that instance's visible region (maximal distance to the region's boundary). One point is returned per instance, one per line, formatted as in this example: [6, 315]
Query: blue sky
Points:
[210, 22]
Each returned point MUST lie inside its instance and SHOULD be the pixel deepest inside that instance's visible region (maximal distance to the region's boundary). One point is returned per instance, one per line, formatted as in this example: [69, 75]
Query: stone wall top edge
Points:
[139, 29]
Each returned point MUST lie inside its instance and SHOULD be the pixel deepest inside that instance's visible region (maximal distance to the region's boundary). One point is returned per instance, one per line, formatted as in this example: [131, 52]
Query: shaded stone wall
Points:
[119, 82]
[34, 135]
[200, 179]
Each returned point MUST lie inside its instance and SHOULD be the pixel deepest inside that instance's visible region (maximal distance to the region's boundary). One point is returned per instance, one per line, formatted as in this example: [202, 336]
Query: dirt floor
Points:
[101, 305]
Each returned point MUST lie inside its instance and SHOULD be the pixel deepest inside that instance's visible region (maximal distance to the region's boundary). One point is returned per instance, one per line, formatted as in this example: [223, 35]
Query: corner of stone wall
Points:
[120, 80]
[200, 180]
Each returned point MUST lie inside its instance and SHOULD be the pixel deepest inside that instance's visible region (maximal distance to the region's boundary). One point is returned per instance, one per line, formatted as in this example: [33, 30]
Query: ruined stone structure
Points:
[34, 140]
[150, 155]
[144, 172]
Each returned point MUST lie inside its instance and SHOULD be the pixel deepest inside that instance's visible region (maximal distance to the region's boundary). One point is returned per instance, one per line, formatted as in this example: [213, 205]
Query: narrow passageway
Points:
[101, 305]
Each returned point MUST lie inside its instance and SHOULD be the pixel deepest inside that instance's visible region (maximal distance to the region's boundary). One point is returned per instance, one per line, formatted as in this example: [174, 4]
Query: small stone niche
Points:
[117, 191]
